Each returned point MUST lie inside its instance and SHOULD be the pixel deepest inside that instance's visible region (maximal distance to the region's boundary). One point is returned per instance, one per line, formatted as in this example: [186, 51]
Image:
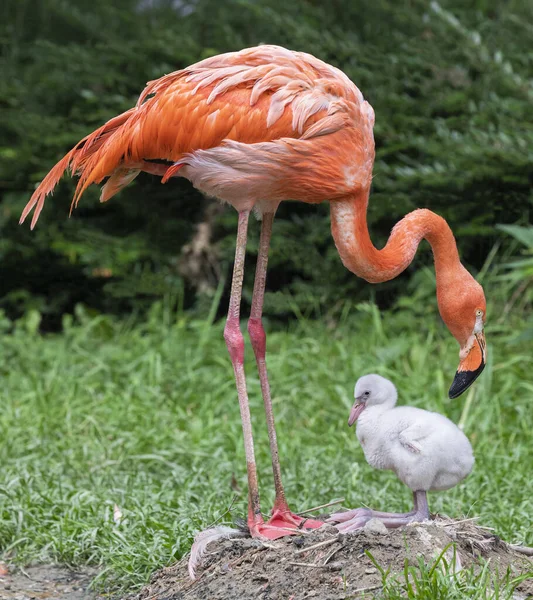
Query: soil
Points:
[320, 565]
[327, 565]
[46, 582]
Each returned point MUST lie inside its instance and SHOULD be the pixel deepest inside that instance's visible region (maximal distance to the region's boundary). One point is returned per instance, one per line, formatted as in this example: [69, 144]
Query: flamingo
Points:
[253, 128]
[425, 450]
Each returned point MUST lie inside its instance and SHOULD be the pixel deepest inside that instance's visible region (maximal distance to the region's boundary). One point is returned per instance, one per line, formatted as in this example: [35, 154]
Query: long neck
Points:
[359, 255]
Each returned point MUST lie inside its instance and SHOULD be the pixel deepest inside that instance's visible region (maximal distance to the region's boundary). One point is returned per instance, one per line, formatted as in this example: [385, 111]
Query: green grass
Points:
[146, 416]
[446, 579]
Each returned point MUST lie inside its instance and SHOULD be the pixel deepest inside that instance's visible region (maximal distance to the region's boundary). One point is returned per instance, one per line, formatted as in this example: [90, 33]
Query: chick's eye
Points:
[367, 394]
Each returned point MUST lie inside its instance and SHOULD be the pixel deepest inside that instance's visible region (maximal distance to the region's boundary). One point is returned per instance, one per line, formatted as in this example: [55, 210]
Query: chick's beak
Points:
[470, 366]
[357, 409]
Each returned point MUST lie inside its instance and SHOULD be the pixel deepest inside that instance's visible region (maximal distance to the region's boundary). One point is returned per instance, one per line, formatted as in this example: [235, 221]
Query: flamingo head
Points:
[463, 308]
[372, 390]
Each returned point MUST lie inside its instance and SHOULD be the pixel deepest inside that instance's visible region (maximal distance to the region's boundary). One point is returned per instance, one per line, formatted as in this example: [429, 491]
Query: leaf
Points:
[522, 234]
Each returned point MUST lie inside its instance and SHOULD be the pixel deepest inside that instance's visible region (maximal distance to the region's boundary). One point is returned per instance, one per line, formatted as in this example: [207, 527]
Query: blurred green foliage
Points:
[450, 83]
[516, 276]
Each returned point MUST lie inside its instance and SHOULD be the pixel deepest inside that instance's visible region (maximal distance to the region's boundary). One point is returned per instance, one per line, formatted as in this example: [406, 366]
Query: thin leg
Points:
[356, 519]
[258, 339]
[281, 514]
[421, 513]
[421, 505]
[235, 343]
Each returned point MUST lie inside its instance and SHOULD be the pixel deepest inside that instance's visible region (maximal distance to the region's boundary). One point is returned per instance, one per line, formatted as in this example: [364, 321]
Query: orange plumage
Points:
[261, 110]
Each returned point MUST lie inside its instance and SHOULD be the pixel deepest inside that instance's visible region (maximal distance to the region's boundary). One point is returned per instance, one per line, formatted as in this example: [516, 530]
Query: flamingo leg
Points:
[353, 520]
[235, 344]
[282, 516]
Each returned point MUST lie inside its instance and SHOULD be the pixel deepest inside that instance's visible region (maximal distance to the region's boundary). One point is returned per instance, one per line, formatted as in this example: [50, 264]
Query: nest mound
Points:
[326, 565]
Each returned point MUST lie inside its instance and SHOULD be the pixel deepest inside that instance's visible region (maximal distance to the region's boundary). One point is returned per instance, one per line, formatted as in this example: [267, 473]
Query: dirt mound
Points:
[326, 565]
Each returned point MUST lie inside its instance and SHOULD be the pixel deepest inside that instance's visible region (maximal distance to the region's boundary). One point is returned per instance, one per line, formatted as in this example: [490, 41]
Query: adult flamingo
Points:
[253, 128]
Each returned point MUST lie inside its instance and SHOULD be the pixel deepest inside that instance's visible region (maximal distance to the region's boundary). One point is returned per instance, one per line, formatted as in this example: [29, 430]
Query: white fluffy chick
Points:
[425, 450]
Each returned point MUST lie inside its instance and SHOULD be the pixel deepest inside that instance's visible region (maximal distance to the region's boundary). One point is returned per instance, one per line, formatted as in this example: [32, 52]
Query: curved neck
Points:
[359, 255]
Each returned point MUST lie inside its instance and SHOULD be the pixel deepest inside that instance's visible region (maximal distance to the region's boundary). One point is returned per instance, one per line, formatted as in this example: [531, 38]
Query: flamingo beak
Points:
[471, 365]
[357, 409]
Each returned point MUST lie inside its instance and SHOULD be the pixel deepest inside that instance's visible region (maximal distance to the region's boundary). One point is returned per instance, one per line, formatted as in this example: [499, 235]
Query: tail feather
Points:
[107, 149]
[45, 188]
[93, 158]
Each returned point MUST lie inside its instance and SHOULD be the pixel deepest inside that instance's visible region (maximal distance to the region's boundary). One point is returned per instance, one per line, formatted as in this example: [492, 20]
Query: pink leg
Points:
[235, 343]
[356, 519]
[281, 514]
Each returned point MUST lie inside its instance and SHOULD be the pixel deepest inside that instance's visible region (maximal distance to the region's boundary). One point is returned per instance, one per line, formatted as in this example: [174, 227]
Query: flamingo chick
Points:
[425, 450]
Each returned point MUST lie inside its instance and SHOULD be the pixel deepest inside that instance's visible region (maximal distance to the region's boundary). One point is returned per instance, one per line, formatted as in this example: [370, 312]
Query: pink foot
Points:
[283, 517]
[283, 522]
[391, 520]
[351, 520]
[348, 515]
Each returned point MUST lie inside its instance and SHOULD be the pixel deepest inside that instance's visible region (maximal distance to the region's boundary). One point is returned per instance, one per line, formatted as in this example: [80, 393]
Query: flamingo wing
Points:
[262, 95]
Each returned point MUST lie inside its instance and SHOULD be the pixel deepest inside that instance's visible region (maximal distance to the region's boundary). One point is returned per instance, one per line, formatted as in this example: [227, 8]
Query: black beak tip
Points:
[463, 380]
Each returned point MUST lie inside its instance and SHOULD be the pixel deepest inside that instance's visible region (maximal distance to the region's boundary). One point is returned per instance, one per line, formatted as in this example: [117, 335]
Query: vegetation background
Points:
[115, 385]
[450, 83]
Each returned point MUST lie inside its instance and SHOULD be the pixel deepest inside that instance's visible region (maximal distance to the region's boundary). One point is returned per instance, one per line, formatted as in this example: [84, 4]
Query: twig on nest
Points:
[310, 510]
[246, 555]
[331, 555]
[319, 545]
[461, 521]
[441, 522]
[522, 549]
[361, 590]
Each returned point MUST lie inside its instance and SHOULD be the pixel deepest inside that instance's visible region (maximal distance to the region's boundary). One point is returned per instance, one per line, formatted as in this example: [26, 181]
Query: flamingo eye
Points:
[479, 313]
